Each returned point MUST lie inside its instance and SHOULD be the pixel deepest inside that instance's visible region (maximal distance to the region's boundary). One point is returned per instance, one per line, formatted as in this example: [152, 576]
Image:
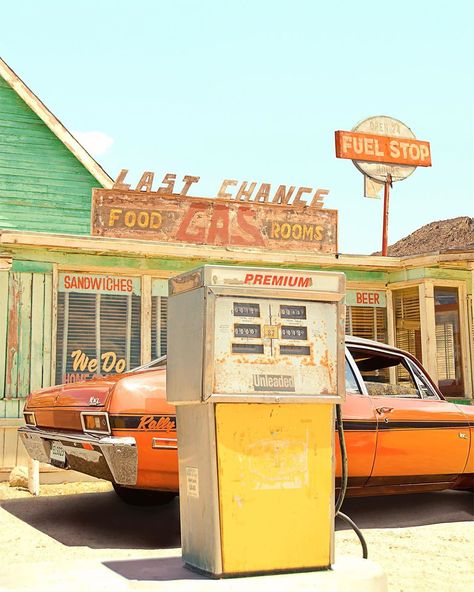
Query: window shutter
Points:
[368, 322]
[159, 317]
[98, 332]
[406, 304]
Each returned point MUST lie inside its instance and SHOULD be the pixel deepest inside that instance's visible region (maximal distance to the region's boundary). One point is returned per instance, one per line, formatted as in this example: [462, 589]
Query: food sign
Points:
[241, 215]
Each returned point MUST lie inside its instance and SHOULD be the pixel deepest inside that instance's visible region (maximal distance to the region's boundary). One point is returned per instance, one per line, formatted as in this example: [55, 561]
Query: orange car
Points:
[401, 434]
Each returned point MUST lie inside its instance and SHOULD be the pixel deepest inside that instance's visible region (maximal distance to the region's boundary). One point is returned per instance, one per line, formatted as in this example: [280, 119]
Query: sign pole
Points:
[386, 197]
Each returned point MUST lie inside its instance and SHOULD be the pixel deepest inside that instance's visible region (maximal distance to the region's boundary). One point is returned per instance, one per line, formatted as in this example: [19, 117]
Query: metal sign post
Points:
[385, 150]
[386, 197]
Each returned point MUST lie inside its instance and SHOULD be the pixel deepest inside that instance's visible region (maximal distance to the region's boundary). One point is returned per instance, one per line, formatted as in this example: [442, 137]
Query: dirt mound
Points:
[456, 233]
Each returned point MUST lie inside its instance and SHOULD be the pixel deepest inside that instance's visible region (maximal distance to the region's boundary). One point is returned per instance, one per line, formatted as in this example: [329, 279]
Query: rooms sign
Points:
[243, 215]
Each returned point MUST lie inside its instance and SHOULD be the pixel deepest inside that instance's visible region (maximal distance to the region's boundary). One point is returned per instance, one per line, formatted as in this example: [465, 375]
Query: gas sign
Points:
[174, 218]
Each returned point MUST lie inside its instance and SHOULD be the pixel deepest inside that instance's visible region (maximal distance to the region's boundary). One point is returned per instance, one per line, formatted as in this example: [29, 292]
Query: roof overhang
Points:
[53, 123]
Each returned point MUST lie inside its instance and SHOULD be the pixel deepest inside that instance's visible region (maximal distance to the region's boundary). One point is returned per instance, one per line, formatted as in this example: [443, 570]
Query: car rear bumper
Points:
[106, 457]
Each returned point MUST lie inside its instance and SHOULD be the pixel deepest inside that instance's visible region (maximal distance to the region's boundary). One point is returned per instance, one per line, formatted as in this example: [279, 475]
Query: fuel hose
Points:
[342, 491]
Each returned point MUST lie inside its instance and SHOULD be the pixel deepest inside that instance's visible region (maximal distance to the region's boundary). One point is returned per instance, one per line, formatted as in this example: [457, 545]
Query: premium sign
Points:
[175, 218]
[376, 148]
[277, 280]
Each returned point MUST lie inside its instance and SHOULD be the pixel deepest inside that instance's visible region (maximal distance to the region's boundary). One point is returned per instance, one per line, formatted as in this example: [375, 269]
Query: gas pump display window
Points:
[245, 309]
[247, 331]
[294, 332]
[295, 350]
[292, 312]
[272, 345]
[247, 348]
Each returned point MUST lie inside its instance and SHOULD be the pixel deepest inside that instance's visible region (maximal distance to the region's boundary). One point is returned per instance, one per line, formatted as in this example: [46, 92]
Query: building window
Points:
[98, 326]
[159, 308]
[448, 342]
[406, 306]
[366, 314]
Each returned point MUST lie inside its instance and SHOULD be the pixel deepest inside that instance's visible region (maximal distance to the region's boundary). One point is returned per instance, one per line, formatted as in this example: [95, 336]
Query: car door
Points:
[360, 429]
[421, 437]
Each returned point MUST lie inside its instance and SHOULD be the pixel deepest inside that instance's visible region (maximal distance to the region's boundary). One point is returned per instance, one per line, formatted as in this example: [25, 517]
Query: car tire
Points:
[143, 497]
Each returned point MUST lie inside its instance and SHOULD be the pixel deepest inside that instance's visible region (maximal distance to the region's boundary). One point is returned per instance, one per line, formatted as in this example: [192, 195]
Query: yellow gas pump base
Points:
[276, 486]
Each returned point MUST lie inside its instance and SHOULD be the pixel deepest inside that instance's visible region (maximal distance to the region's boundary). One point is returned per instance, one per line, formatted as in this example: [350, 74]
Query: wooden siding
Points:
[43, 187]
[25, 354]
[12, 451]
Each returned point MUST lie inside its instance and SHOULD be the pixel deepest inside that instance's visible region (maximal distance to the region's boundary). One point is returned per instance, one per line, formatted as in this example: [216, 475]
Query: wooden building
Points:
[74, 305]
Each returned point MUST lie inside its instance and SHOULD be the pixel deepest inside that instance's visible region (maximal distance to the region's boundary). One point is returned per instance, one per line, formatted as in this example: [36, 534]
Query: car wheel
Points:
[143, 497]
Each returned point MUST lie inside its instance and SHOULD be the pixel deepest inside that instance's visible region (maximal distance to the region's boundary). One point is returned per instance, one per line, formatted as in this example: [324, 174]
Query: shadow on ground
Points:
[161, 569]
[397, 511]
[102, 521]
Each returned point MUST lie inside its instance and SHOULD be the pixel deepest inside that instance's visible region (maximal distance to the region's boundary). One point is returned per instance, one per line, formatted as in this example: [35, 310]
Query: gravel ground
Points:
[434, 558]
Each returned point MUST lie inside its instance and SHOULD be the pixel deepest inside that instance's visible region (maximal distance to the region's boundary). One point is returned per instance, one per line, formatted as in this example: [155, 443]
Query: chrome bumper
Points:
[105, 457]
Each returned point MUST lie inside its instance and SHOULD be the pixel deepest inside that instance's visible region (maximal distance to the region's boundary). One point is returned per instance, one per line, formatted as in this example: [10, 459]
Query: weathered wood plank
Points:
[47, 329]
[11, 378]
[24, 344]
[3, 328]
[10, 447]
[11, 408]
[37, 315]
[31, 266]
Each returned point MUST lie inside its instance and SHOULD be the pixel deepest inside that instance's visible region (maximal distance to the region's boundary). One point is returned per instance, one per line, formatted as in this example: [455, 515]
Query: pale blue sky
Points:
[254, 91]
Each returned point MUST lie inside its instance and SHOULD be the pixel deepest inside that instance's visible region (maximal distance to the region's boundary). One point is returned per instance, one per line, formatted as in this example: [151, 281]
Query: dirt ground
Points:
[434, 558]
[455, 233]
[7, 492]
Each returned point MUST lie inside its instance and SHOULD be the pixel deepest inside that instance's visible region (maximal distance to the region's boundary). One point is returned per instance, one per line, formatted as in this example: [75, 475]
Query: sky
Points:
[254, 90]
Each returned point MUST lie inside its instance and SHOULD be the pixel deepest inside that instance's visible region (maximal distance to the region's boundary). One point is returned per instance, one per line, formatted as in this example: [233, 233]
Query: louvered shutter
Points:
[367, 322]
[97, 325]
[159, 317]
[406, 304]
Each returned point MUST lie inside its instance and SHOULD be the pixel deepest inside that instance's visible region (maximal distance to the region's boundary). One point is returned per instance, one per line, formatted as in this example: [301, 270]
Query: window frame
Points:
[60, 271]
[357, 374]
[410, 364]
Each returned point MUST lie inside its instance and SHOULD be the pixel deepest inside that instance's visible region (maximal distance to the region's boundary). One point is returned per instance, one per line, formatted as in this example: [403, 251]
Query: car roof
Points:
[352, 340]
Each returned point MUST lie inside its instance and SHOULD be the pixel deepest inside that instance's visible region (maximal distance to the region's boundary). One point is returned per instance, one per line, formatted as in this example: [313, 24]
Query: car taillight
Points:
[95, 422]
[30, 418]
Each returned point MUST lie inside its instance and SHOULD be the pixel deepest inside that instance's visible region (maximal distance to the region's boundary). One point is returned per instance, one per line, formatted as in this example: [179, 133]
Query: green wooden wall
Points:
[43, 187]
[25, 337]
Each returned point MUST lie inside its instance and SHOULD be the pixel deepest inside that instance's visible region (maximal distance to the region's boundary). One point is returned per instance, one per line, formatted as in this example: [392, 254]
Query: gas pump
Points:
[255, 368]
